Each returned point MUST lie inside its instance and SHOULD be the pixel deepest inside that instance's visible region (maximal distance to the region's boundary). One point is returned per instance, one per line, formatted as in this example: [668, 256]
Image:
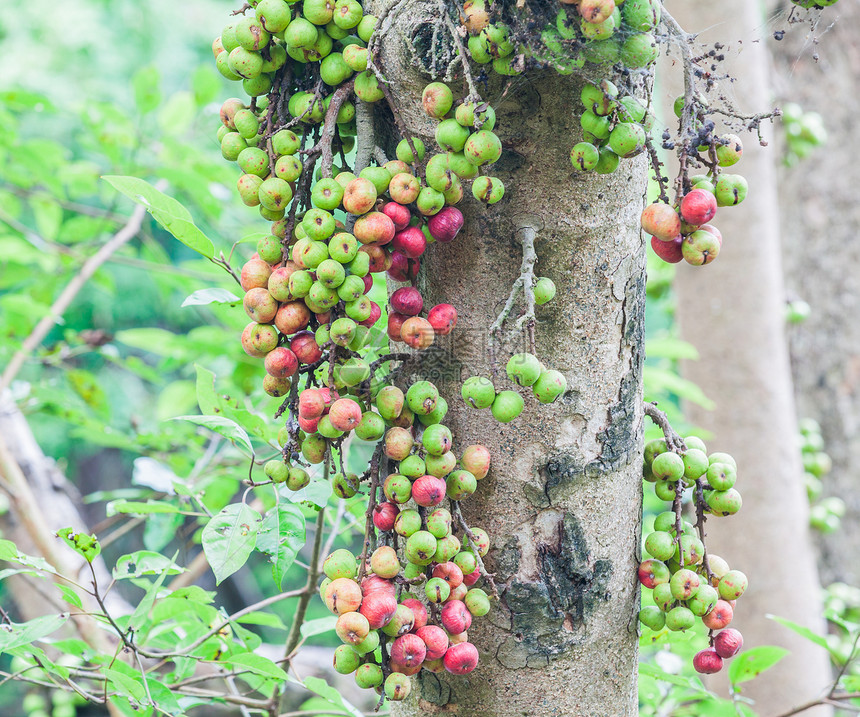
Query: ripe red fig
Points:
[378, 607]
[707, 662]
[418, 611]
[461, 659]
[309, 425]
[345, 414]
[374, 584]
[411, 242]
[445, 225]
[260, 305]
[281, 362]
[435, 639]
[407, 300]
[669, 251]
[408, 650]
[404, 669]
[384, 515]
[698, 207]
[449, 572]
[398, 213]
[417, 333]
[720, 617]
[473, 577]
[402, 267]
[374, 228]
[311, 403]
[428, 491]
[661, 220]
[375, 313]
[292, 317]
[305, 347]
[728, 642]
[342, 595]
[443, 319]
[456, 617]
[395, 324]
[255, 275]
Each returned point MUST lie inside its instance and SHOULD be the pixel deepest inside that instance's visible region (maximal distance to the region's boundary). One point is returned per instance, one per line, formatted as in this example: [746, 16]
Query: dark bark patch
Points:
[549, 615]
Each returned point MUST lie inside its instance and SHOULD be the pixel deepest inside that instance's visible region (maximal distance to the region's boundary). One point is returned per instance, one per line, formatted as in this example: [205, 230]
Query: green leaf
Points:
[222, 426]
[318, 626]
[137, 508]
[330, 694]
[318, 492]
[206, 85]
[166, 211]
[70, 596]
[282, 535]
[751, 663]
[692, 683]
[229, 538]
[671, 348]
[810, 635]
[202, 297]
[207, 399]
[147, 95]
[177, 114]
[126, 686]
[266, 619]
[8, 550]
[139, 616]
[85, 545]
[657, 379]
[257, 664]
[18, 634]
[144, 562]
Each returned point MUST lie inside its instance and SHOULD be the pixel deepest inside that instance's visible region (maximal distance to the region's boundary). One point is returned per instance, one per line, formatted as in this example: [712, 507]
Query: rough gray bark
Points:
[819, 218]
[562, 501]
[733, 312]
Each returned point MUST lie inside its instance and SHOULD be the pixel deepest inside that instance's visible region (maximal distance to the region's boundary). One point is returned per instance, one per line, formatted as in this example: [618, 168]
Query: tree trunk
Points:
[819, 219]
[733, 312]
[562, 500]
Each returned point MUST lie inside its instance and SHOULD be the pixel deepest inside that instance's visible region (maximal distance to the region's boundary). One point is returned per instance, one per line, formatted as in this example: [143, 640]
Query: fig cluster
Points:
[602, 32]
[398, 615]
[613, 127]
[686, 582]
[524, 369]
[825, 514]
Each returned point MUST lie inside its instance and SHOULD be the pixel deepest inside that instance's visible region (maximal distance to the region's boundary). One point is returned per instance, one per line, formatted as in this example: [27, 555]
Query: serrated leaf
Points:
[257, 664]
[85, 545]
[14, 635]
[229, 538]
[201, 297]
[207, 399]
[282, 535]
[144, 562]
[318, 626]
[222, 426]
[751, 663]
